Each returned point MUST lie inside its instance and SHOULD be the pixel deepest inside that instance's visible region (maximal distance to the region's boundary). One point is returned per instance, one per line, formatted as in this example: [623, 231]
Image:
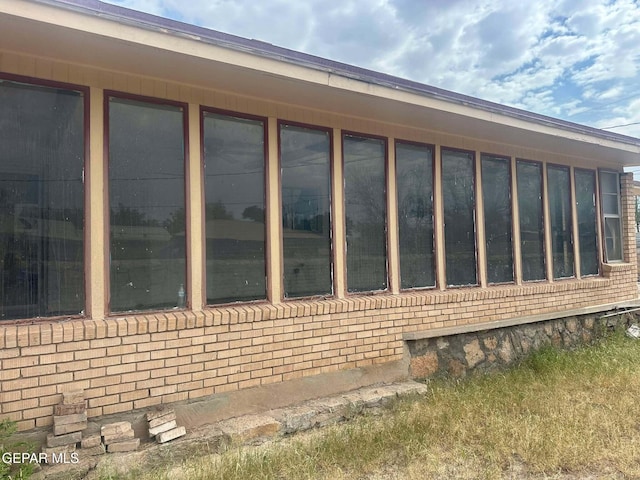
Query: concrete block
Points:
[91, 441]
[162, 428]
[171, 434]
[115, 428]
[69, 428]
[250, 427]
[154, 422]
[60, 449]
[61, 409]
[70, 418]
[125, 446]
[93, 451]
[62, 440]
[118, 437]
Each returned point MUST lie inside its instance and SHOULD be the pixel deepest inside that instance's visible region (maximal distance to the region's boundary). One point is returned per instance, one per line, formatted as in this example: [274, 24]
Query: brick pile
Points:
[119, 437]
[163, 425]
[69, 420]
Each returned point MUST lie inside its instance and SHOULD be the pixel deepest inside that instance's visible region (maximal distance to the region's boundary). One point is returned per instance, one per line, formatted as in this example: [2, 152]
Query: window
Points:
[306, 214]
[610, 198]
[234, 159]
[560, 219]
[586, 211]
[414, 167]
[365, 211]
[529, 181]
[458, 189]
[496, 196]
[147, 204]
[41, 201]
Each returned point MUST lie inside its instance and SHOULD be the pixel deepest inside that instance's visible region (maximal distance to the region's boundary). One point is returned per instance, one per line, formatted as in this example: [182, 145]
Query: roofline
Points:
[263, 49]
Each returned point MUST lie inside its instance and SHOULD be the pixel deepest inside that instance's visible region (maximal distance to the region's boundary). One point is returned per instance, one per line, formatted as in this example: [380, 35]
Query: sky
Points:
[578, 60]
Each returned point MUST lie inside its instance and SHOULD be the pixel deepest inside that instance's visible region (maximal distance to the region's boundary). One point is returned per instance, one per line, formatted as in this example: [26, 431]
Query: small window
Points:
[496, 196]
[41, 201]
[414, 167]
[610, 198]
[586, 211]
[305, 155]
[560, 216]
[366, 213]
[147, 205]
[234, 159]
[458, 190]
[529, 181]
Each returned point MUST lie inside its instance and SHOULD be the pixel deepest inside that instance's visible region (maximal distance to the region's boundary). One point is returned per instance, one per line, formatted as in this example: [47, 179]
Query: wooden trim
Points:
[515, 218]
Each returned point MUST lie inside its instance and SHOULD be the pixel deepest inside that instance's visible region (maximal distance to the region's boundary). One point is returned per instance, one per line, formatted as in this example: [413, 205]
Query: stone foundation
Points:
[486, 350]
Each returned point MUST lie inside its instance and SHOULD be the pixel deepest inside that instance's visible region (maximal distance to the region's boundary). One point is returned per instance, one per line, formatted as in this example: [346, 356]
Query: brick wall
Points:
[134, 362]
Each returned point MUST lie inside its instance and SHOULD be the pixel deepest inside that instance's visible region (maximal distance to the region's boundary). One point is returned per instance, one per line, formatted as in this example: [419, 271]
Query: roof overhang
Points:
[116, 39]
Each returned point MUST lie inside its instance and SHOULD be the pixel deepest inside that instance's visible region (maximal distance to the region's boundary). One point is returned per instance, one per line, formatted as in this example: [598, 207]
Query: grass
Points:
[559, 414]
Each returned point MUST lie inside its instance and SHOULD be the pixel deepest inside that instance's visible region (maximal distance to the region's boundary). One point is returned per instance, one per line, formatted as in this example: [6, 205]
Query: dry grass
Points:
[557, 415]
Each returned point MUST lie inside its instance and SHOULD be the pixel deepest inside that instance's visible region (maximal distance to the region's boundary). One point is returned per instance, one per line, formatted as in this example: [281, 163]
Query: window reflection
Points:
[496, 191]
[234, 158]
[458, 190]
[560, 219]
[365, 210]
[306, 197]
[414, 167]
[529, 180]
[586, 211]
[41, 201]
[147, 205]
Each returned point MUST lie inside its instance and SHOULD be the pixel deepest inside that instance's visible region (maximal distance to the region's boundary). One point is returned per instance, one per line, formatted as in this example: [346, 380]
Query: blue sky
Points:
[578, 60]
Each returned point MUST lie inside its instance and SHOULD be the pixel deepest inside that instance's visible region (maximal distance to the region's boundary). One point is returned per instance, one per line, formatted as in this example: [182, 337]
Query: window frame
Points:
[85, 91]
[543, 253]
[433, 214]
[572, 212]
[446, 283]
[598, 251]
[385, 141]
[604, 216]
[332, 255]
[107, 95]
[203, 109]
[507, 159]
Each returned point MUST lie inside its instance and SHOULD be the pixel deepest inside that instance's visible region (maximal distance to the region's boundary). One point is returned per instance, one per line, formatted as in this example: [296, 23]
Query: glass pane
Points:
[414, 166]
[496, 192]
[41, 201]
[561, 223]
[586, 211]
[306, 200]
[146, 193]
[529, 179]
[609, 182]
[610, 204]
[612, 239]
[366, 212]
[234, 160]
[458, 184]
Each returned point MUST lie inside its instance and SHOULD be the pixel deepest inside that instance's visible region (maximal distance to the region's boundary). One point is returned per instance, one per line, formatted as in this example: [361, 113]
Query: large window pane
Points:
[146, 191]
[529, 179]
[365, 210]
[496, 193]
[560, 219]
[234, 157]
[610, 195]
[586, 210]
[41, 201]
[458, 189]
[414, 166]
[306, 200]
